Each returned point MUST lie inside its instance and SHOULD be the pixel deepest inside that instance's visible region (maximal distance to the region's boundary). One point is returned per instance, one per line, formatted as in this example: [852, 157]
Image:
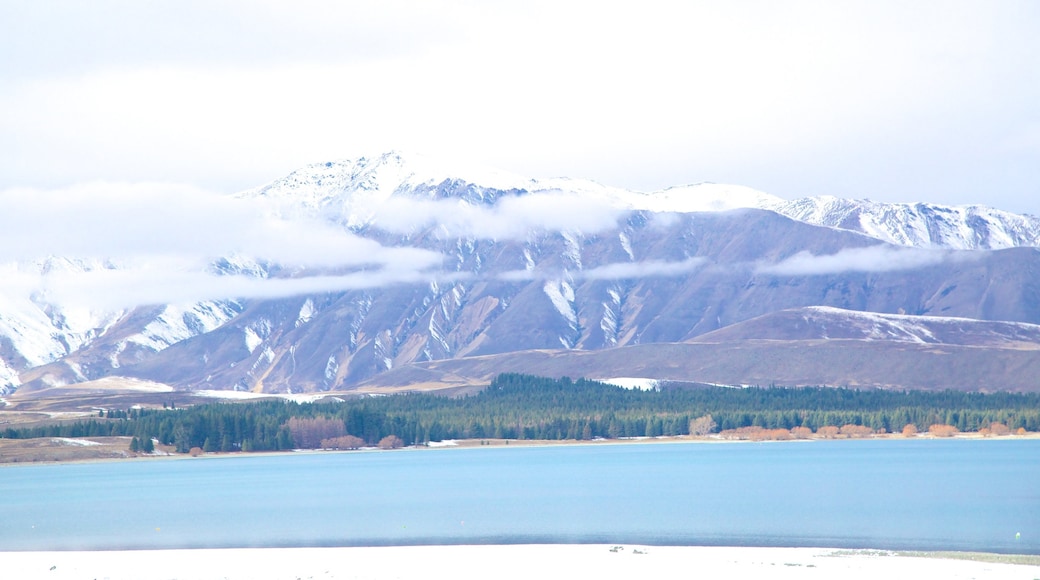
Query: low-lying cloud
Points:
[121, 245]
[614, 271]
[879, 258]
[114, 246]
[129, 222]
[115, 289]
[117, 246]
[510, 218]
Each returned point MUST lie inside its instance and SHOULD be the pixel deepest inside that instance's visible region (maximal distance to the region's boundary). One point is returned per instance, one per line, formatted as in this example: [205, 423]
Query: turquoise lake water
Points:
[916, 494]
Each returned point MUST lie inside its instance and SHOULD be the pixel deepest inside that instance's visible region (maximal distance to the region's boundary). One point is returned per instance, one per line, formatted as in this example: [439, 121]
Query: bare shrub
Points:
[827, 432]
[195, 451]
[309, 433]
[910, 430]
[344, 442]
[999, 429]
[778, 435]
[856, 431]
[939, 430]
[391, 442]
[801, 432]
[755, 433]
[702, 425]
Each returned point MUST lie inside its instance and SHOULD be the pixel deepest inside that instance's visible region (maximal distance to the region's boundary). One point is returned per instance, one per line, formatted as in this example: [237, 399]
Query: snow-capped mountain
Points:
[351, 191]
[36, 329]
[920, 225]
[581, 267]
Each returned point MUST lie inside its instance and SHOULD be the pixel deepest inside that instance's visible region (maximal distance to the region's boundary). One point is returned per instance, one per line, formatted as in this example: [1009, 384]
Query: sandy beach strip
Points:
[524, 562]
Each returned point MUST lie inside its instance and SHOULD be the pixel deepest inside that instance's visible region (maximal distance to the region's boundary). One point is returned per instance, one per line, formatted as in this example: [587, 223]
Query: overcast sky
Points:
[893, 101]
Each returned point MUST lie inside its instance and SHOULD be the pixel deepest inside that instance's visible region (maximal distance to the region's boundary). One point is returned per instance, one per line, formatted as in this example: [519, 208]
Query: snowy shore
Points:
[508, 562]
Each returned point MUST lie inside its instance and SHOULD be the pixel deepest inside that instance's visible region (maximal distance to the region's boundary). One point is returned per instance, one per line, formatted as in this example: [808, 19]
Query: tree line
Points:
[516, 406]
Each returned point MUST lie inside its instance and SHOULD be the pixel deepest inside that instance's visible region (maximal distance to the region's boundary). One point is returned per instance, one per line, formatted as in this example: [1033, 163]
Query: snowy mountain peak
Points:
[705, 197]
[350, 192]
[380, 177]
[923, 225]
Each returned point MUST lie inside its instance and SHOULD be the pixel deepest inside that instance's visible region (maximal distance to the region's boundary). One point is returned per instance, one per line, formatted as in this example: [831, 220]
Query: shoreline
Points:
[485, 443]
[462, 562]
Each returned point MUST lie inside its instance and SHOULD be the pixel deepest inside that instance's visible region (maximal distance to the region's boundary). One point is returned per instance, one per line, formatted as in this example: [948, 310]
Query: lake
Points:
[888, 494]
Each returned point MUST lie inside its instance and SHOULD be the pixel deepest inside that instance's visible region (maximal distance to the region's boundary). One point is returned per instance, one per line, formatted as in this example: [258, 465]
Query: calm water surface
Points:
[956, 495]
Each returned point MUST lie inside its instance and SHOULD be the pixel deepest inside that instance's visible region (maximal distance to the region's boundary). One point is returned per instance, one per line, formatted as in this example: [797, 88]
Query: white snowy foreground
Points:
[502, 562]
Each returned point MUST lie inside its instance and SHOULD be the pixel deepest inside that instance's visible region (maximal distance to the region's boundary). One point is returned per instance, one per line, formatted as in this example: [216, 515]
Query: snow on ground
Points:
[445, 443]
[229, 394]
[520, 562]
[244, 395]
[125, 384]
[79, 442]
[633, 383]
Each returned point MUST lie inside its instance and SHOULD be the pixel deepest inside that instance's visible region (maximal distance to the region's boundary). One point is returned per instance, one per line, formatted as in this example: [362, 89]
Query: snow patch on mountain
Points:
[9, 380]
[626, 245]
[923, 329]
[573, 249]
[331, 369]
[179, 322]
[252, 339]
[561, 294]
[255, 333]
[610, 323]
[306, 313]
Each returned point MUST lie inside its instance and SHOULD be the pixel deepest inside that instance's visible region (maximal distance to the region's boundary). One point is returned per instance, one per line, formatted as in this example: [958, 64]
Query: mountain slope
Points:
[834, 362]
[584, 300]
[823, 323]
[797, 347]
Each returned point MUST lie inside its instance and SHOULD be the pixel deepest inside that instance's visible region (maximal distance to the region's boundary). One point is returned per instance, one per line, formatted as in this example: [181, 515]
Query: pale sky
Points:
[893, 101]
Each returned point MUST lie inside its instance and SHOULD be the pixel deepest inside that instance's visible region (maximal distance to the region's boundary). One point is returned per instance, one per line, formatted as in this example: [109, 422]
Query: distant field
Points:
[51, 449]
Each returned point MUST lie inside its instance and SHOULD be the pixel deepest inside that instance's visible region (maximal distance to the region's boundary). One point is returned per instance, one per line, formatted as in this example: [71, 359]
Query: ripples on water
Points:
[893, 494]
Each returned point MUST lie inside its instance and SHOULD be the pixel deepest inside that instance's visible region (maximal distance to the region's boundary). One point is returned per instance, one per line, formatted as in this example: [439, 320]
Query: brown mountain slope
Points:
[853, 363]
[822, 322]
[797, 347]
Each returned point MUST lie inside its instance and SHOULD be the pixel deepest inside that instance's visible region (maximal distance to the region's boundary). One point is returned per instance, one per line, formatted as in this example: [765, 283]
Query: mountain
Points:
[613, 272]
[349, 192]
